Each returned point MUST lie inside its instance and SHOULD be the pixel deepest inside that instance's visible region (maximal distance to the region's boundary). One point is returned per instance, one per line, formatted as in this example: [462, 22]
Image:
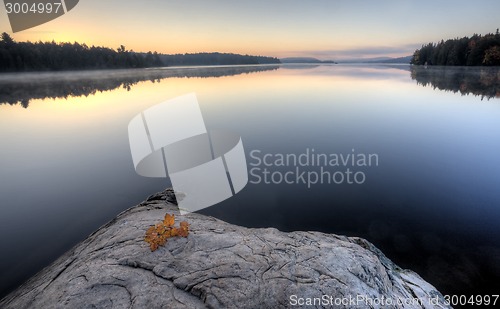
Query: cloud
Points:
[362, 52]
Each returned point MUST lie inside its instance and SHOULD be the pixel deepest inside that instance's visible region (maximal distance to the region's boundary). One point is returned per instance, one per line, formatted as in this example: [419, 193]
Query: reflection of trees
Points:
[483, 81]
[20, 88]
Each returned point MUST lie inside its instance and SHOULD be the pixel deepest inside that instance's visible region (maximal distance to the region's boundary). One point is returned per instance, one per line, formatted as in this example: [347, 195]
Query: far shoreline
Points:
[159, 68]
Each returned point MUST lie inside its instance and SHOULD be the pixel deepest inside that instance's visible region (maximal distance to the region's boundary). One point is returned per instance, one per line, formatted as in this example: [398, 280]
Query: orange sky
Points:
[325, 29]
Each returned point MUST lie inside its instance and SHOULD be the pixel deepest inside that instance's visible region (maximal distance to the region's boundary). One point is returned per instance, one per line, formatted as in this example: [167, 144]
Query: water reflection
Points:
[299, 66]
[483, 82]
[24, 87]
[430, 206]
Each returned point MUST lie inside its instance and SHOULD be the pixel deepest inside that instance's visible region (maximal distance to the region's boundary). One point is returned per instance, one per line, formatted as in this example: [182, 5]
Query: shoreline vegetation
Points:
[52, 56]
[478, 50]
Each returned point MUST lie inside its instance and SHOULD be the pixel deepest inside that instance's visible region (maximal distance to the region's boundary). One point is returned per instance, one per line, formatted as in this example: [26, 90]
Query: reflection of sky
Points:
[325, 29]
[348, 107]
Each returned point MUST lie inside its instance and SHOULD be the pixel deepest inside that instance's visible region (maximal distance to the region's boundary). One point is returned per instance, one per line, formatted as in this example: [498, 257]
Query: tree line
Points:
[215, 59]
[478, 50]
[52, 56]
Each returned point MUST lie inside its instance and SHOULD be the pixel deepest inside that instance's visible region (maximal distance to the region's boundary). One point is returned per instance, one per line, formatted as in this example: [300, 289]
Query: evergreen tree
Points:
[473, 51]
[28, 56]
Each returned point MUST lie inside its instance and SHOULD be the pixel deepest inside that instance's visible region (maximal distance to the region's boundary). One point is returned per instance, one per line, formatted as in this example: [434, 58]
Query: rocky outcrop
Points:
[219, 265]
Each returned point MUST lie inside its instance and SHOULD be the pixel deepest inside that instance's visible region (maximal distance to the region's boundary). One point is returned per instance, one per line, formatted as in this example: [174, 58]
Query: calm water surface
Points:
[432, 204]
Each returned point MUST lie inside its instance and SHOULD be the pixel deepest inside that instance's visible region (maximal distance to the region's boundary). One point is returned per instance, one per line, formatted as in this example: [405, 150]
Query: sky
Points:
[325, 29]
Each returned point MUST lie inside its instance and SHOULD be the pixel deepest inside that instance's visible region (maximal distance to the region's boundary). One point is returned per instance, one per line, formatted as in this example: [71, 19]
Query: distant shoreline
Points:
[131, 70]
[52, 56]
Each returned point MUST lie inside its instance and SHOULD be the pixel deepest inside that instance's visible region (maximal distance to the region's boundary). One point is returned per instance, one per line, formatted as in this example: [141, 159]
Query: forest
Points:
[52, 56]
[478, 50]
[215, 59]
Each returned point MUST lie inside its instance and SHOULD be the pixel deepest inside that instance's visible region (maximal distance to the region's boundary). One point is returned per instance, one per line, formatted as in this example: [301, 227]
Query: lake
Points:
[430, 201]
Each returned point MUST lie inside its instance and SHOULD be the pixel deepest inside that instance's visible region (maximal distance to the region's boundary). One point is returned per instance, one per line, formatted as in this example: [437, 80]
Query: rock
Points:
[219, 265]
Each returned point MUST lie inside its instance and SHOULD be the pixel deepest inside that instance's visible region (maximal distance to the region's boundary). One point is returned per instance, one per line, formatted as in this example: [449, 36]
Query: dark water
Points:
[432, 203]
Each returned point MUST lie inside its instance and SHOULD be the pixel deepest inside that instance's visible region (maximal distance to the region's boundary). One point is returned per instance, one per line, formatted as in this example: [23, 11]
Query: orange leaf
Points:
[162, 240]
[158, 234]
[169, 220]
[174, 232]
[183, 232]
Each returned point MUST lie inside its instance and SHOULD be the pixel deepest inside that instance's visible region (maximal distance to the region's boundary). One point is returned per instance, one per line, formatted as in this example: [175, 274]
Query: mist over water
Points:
[430, 203]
